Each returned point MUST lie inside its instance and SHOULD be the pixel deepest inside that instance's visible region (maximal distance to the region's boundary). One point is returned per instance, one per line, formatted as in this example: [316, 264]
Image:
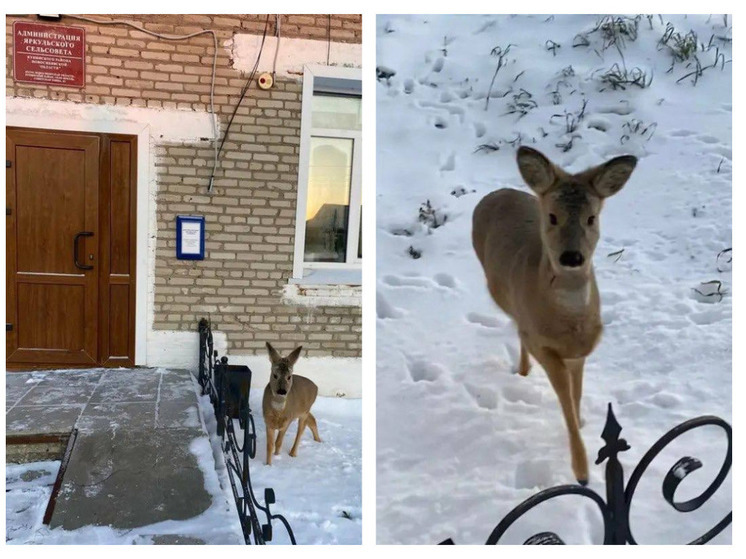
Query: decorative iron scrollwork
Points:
[615, 509]
[228, 387]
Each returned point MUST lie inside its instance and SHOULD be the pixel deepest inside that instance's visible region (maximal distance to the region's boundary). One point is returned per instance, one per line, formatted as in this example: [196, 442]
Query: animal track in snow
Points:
[384, 309]
[623, 109]
[522, 391]
[483, 320]
[666, 400]
[446, 97]
[479, 129]
[439, 63]
[445, 280]
[423, 370]
[450, 108]
[449, 163]
[599, 123]
[407, 281]
[409, 85]
[484, 396]
[707, 317]
[681, 133]
[530, 474]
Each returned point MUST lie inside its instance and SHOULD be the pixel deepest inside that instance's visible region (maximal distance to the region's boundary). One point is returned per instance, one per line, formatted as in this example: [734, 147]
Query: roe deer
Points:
[537, 252]
[287, 397]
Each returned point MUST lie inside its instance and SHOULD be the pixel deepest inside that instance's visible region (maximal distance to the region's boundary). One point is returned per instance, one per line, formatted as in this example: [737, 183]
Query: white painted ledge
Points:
[293, 54]
[322, 295]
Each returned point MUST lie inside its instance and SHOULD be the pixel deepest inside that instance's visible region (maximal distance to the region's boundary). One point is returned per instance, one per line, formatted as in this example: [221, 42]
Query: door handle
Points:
[75, 250]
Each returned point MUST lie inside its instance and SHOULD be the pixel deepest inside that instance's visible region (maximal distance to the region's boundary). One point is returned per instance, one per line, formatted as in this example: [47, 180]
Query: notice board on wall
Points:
[48, 54]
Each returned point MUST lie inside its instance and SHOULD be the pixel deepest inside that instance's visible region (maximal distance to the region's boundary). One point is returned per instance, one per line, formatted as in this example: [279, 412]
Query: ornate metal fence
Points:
[615, 509]
[229, 387]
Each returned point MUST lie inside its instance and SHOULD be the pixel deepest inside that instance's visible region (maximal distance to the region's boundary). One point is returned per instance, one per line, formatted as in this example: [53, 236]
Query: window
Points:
[328, 235]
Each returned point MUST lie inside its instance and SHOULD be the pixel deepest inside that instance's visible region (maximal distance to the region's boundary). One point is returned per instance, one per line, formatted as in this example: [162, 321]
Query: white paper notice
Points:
[190, 237]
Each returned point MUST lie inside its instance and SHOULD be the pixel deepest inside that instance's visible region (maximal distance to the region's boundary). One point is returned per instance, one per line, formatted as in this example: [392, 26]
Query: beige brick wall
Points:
[250, 217]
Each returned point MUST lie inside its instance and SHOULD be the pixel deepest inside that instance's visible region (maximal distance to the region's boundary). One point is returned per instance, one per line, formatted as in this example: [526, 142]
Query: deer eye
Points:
[592, 220]
[275, 376]
[553, 219]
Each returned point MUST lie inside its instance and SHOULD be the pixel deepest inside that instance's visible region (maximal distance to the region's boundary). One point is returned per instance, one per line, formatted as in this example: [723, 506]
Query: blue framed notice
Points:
[190, 237]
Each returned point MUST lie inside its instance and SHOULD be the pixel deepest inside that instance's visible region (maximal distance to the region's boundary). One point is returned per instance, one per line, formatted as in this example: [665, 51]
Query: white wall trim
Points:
[151, 126]
[293, 53]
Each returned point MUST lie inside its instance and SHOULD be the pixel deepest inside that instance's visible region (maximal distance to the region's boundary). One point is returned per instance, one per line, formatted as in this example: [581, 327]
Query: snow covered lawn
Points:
[461, 440]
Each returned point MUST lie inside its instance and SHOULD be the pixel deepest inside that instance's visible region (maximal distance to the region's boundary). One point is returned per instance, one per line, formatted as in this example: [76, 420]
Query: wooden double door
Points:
[71, 238]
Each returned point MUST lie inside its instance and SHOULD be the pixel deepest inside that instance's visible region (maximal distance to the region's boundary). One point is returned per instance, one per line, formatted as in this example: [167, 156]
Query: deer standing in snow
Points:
[537, 252]
[287, 397]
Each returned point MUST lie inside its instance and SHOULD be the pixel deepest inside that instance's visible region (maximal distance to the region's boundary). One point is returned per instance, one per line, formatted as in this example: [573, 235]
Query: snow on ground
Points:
[461, 440]
[319, 491]
[27, 491]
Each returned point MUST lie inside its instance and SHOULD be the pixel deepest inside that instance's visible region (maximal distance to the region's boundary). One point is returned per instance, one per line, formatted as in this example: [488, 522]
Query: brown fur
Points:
[520, 240]
[280, 410]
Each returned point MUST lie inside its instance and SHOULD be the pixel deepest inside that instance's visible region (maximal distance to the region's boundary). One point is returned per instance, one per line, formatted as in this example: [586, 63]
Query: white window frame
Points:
[352, 263]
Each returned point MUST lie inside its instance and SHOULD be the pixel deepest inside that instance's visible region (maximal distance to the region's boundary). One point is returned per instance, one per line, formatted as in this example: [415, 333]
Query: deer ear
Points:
[293, 357]
[274, 357]
[536, 169]
[610, 177]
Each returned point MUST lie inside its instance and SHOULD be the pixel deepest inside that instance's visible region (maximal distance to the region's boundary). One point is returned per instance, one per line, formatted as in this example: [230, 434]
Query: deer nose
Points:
[571, 259]
[282, 391]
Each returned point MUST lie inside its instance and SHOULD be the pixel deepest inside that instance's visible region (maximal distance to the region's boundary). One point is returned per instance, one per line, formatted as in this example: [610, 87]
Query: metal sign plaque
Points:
[48, 54]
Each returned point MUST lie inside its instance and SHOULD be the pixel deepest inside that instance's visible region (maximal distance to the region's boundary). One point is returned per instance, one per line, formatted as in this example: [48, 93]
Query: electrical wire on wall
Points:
[213, 116]
[328, 38]
[244, 90]
[277, 47]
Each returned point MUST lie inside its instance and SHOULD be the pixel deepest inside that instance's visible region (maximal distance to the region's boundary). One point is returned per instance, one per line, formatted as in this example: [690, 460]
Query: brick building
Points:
[93, 275]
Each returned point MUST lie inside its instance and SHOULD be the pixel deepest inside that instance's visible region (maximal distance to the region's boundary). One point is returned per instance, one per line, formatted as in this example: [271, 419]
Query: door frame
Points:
[144, 216]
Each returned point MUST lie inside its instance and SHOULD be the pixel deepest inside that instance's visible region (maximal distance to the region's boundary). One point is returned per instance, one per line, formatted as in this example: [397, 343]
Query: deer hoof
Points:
[583, 482]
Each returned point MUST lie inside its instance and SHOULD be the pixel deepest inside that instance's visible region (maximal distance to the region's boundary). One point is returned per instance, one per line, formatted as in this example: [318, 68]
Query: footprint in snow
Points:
[707, 317]
[423, 370]
[445, 280]
[635, 391]
[666, 400]
[385, 310]
[484, 396]
[531, 474]
[448, 163]
[407, 281]
[483, 320]
[523, 392]
[681, 133]
[438, 65]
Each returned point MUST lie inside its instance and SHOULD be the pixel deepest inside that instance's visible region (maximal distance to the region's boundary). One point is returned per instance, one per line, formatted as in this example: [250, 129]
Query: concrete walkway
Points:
[134, 462]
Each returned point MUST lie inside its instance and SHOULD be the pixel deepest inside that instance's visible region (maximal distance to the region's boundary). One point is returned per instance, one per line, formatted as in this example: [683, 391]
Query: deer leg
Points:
[576, 373]
[525, 365]
[301, 427]
[280, 437]
[561, 380]
[270, 443]
[314, 428]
